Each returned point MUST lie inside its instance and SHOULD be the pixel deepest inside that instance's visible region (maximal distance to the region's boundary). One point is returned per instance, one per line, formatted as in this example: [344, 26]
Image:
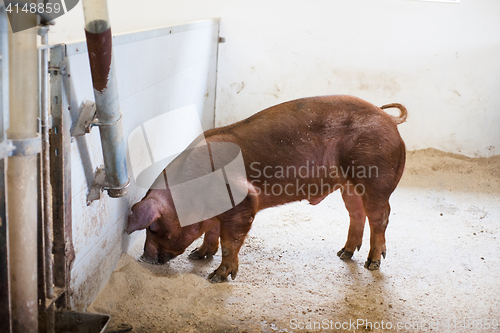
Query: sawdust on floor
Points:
[441, 272]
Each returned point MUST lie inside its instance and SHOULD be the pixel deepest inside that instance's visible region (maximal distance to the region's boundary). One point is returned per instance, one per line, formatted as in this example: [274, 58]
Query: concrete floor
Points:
[442, 272]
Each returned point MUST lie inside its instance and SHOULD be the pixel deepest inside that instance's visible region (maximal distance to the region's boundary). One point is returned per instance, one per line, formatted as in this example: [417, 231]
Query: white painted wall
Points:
[439, 59]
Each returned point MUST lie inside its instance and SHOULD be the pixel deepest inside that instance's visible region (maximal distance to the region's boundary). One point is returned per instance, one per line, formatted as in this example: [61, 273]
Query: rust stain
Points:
[99, 48]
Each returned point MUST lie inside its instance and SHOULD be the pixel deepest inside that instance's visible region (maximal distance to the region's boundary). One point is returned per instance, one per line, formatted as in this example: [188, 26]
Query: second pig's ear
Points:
[142, 215]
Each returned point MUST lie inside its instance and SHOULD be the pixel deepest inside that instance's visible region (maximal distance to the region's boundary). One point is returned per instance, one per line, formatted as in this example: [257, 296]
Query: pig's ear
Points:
[143, 214]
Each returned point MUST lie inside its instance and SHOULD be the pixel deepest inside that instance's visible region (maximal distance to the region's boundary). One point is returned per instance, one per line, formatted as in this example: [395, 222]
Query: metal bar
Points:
[5, 312]
[60, 175]
[216, 72]
[42, 314]
[4, 74]
[5, 308]
[46, 186]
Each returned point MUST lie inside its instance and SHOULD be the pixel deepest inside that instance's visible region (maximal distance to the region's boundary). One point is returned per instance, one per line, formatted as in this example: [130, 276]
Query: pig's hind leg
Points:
[354, 204]
[378, 216]
[210, 244]
[376, 195]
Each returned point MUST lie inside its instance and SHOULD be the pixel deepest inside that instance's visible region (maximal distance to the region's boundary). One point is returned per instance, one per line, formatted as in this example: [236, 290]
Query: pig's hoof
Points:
[214, 278]
[345, 255]
[195, 255]
[372, 265]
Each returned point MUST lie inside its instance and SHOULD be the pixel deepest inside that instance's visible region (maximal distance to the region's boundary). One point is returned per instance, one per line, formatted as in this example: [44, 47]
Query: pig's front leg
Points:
[234, 227]
[210, 244]
[232, 237]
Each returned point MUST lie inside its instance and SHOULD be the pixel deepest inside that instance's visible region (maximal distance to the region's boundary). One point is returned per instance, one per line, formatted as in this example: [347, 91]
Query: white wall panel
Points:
[158, 71]
[439, 59]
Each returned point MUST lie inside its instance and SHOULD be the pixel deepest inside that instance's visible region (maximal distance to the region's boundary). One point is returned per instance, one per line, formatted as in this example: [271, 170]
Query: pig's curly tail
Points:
[404, 113]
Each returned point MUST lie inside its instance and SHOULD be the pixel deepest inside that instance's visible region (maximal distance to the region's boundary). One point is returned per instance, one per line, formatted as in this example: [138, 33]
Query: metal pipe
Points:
[22, 176]
[4, 74]
[46, 186]
[5, 302]
[99, 45]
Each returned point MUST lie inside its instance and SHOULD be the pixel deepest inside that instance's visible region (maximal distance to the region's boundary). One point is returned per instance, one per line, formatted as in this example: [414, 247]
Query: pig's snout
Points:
[159, 259]
[131, 222]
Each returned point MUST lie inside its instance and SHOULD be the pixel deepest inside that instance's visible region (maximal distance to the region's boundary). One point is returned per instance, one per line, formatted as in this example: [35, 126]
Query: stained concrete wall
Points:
[439, 59]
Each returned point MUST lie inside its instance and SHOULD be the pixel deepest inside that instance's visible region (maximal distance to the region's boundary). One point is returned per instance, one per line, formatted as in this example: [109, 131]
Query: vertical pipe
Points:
[22, 177]
[5, 305]
[47, 188]
[4, 73]
[99, 45]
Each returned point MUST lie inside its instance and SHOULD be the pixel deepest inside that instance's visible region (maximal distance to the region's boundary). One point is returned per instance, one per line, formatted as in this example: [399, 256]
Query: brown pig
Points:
[301, 149]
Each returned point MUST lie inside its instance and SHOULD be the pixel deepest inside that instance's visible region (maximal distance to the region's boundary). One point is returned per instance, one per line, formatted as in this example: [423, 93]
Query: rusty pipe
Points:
[109, 116]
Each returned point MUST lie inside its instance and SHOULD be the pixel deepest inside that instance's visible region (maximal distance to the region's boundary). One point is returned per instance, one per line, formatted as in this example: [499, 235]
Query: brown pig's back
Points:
[327, 131]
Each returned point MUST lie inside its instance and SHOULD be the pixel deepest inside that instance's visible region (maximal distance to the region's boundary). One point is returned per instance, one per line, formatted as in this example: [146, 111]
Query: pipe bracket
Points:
[61, 69]
[99, 184]
[96, 122]
[6, 148]
[87, 119]
[84, 123]
[26, 147]
[118, 191]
